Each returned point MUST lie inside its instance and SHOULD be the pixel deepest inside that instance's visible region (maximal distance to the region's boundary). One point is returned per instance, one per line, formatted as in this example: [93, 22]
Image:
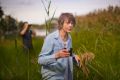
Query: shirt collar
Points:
[56, 35]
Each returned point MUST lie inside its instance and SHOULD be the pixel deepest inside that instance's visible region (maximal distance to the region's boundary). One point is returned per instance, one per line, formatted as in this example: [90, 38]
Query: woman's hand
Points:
[77, 58]
[62, 53]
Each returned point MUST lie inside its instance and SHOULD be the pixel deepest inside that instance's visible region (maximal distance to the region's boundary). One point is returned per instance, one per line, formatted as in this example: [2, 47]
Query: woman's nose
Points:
[70, 24]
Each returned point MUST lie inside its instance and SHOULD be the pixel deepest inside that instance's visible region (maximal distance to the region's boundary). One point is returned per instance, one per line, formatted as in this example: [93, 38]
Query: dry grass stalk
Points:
[84, 59]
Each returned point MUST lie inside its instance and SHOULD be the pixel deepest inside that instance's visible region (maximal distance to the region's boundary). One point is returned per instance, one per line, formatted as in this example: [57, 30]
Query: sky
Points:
[34, 12]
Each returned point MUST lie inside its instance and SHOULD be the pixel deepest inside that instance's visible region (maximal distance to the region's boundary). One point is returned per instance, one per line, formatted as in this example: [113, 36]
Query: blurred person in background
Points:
[27, 33]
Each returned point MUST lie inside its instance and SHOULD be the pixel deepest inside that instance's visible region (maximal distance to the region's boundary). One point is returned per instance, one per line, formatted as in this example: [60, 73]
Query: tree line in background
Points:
[103, 19]
[8, 25]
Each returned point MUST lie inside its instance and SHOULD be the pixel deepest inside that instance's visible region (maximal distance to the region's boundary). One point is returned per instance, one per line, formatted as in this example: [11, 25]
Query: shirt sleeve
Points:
[46, 57]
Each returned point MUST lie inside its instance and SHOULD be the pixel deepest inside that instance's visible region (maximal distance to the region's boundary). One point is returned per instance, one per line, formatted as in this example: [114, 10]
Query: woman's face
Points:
[67, 26]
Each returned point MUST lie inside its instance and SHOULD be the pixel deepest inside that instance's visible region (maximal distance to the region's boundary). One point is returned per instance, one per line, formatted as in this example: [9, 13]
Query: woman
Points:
[26, 34]
[55, 57]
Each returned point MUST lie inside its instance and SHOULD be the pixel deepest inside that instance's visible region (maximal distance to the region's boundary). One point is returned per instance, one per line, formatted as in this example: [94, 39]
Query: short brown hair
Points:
[65, 16]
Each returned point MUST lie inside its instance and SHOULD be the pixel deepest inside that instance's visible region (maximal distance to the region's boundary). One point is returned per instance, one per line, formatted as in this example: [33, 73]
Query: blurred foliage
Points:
[1, 12]
[8, 25]
[104, 20]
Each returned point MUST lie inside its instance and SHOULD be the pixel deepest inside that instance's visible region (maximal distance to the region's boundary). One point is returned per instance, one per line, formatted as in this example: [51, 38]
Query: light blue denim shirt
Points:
[55, 69]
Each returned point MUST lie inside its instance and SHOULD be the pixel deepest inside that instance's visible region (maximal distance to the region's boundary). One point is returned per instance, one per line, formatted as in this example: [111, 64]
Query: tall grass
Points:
[49, 16]
[18, 65]
[105, 66]
[105, 46]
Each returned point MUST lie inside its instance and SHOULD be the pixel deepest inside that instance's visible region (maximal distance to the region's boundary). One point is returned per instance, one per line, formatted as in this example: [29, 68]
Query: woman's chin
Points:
[69, 31]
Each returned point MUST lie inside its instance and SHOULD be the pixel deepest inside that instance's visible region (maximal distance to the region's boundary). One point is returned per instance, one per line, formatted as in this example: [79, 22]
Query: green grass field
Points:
[15, 64]
[105, 46]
